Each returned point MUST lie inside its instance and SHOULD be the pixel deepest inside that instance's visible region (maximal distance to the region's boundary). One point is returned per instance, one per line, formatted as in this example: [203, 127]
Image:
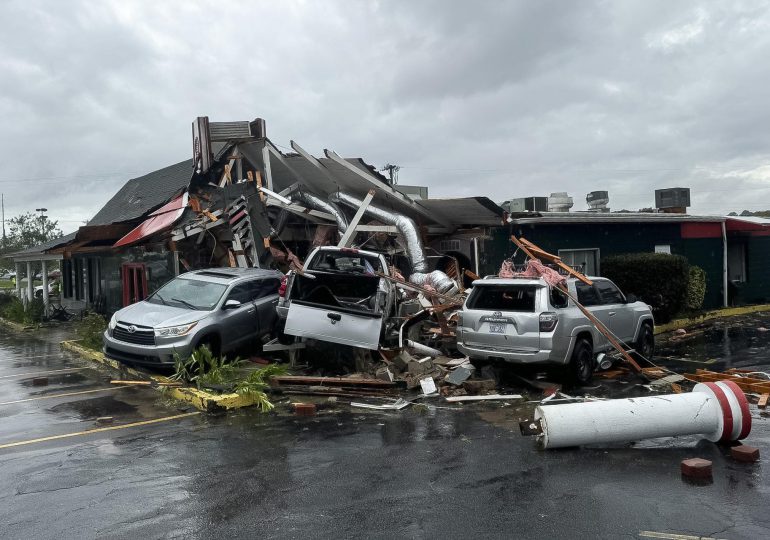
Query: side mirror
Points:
[631, 298]
[231, 304]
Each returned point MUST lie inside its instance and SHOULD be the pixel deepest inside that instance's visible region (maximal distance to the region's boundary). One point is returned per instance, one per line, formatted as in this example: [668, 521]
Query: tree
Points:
[28, 230]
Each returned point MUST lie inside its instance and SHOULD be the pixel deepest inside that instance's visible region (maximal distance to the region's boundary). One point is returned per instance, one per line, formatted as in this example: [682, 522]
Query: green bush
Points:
[90, 329]
[11, 308]
[35, 311]
[658, 279]
[696, 288]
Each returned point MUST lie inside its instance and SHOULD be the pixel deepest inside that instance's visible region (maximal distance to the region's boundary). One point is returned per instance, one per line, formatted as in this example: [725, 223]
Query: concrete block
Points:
[745, 453]
[418, 367]
[459, 375]
[401, 360]
[696, 468]
[384, 374]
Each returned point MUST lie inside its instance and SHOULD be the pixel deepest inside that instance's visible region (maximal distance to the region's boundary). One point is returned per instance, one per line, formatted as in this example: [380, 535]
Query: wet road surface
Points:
[416, 473]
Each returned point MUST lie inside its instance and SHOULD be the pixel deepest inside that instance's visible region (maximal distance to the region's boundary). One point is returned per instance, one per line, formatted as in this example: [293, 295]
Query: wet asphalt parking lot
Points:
[423, 472]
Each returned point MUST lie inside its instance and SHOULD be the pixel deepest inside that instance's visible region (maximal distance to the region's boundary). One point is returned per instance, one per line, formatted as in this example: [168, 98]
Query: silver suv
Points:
[223, 308]
[525, 321]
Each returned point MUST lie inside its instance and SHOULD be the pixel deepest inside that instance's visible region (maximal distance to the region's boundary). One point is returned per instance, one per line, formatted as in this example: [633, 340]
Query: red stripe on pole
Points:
[745, 412]
[727, 412]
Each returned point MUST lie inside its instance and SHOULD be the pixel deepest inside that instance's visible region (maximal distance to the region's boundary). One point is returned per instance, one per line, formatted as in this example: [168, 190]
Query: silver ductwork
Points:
[407, 228]
[316, 203]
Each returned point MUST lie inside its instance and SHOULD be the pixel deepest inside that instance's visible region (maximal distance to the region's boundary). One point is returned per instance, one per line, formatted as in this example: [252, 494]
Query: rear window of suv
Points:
[503, 298]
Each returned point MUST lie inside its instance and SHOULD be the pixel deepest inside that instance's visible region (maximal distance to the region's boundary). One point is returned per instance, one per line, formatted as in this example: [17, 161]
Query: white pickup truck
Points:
[338, 297]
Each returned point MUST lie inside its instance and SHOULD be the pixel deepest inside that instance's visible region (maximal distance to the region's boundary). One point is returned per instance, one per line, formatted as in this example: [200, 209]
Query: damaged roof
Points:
[45, 246]
[144, 194]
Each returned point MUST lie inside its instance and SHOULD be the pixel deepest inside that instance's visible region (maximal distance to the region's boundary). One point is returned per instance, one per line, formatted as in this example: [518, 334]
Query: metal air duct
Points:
[316, 203]
[407, 228]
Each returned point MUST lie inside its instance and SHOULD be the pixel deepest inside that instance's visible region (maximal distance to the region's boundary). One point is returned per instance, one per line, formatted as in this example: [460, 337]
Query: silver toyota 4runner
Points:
[524, 321]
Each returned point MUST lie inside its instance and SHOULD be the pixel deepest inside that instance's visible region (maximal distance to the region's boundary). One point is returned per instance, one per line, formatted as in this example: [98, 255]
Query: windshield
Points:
[503, 298]
[345, 261]
[189, 293]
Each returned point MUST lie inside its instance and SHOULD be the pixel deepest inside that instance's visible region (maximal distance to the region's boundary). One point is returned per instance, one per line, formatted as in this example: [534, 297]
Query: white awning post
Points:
[30, 282]
[18, 280]
[46, 301]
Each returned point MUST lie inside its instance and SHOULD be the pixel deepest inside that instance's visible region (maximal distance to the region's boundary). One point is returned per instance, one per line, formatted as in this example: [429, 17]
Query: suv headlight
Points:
[113, 322]
[174, 331]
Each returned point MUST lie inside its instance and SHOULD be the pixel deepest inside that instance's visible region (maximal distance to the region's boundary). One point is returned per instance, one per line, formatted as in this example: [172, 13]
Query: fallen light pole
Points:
[717, 411]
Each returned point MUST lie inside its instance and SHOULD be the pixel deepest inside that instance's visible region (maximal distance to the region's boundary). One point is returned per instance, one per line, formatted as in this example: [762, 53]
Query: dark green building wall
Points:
[612, 239]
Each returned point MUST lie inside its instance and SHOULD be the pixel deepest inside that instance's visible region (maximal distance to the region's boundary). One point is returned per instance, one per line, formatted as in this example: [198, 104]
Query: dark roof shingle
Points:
[141, 195]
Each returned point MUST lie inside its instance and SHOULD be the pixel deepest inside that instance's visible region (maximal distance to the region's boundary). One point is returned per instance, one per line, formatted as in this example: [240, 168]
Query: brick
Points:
[747, 454]
[696, 468]
[40, 381]
[305, 409]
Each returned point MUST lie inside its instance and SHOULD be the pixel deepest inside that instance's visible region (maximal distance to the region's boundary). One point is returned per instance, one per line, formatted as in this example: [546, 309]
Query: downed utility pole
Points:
[534, 252]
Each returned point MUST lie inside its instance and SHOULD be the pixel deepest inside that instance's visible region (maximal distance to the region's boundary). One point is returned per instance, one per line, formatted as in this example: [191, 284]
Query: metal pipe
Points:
[407, 228]
[718, 411]
[423, 349]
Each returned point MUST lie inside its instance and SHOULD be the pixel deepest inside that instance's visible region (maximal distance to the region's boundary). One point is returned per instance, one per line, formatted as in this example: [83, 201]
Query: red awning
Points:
[160, 219]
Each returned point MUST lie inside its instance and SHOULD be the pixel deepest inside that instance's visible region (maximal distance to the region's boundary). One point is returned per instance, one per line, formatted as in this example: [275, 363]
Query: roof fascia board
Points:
[38, 257]
[388, 190]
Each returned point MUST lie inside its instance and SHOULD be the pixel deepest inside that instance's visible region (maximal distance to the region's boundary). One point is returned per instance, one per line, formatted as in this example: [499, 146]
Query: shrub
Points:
[658, 279]
[90, 330]
[35, 311]
[696, 288]
[12, 308]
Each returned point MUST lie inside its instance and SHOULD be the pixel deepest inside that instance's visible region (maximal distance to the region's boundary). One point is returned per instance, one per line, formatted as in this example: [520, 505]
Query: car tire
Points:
[581, 364]
[645, 344]
[212, 343]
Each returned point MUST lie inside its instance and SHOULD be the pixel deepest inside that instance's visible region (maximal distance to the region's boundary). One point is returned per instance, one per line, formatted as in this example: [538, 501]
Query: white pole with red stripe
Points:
[717, 411]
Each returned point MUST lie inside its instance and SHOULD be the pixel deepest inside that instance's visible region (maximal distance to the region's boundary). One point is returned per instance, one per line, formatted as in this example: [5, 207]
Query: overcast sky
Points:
[503, 99]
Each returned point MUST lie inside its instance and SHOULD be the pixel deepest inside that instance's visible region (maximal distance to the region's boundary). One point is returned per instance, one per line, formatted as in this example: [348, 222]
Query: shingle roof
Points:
[40, 248]
[141, 195]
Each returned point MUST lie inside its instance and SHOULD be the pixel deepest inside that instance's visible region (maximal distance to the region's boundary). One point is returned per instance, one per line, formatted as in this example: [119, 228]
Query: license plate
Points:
[497, 328]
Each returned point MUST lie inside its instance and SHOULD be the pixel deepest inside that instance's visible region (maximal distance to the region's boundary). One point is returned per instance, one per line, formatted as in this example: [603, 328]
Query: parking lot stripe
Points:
[38, 373]
[99, 430]
[68, 394]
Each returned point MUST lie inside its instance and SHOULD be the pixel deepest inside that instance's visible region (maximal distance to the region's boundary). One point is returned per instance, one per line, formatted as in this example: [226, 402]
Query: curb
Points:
[710, 315]
[18, 327]
[203, 401]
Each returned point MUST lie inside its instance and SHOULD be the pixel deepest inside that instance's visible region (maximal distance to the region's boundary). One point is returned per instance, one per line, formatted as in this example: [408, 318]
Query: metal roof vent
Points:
[672, 200]
[559, 202]
[598, 201]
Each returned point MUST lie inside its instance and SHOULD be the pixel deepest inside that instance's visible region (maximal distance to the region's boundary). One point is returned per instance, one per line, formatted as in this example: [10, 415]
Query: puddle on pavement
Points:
[89, 409]
[54, 380]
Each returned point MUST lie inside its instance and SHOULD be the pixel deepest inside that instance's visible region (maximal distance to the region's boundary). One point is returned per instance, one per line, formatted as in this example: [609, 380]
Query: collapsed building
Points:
[242, 201]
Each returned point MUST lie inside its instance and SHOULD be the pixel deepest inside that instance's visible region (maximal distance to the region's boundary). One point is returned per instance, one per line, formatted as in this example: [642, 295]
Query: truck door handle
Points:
[336, 317]
[252, 310]
[611, 313]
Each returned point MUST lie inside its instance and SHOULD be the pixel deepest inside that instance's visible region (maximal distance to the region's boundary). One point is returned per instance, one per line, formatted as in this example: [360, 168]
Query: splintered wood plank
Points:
[762, 403]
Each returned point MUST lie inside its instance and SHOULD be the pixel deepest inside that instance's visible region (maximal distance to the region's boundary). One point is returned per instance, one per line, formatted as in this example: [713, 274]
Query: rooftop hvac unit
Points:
[529, 204]
[559, 202]
[672, 199]
[598, 201]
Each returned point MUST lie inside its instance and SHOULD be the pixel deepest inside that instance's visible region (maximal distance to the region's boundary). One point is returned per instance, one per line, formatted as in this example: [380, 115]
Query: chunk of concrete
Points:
[477, 386]
[401, 360]
[459, 375]
[418, 367]
[384, 374]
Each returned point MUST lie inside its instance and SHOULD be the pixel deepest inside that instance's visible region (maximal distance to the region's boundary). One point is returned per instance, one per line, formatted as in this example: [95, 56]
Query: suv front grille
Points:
[140, 336]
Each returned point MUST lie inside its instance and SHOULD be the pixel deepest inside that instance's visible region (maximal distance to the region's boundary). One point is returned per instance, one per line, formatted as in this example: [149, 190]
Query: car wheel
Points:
[581, 365]
[645, 345]
[212, 343]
